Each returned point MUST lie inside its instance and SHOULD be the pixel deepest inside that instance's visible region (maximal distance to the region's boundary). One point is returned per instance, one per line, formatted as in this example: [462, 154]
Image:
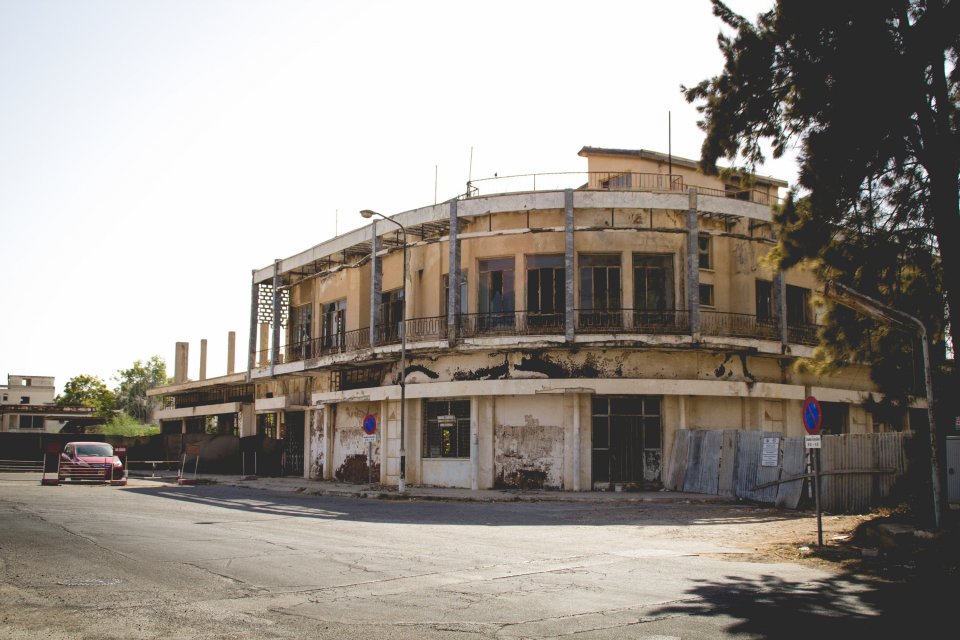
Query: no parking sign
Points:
[369, 427]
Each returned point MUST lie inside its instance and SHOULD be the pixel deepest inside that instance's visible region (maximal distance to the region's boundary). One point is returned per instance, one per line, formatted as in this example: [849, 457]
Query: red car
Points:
[91, 461]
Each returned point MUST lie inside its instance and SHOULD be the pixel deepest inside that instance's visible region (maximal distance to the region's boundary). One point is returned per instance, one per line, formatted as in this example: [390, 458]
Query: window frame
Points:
[458, 435]
[705, 251]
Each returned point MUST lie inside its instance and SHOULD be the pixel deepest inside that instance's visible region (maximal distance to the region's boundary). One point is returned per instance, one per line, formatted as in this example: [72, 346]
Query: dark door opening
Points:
[626, 435]
[293, 444]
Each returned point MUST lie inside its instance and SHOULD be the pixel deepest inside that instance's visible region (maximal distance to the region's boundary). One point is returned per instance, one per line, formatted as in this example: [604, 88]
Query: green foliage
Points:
[88, 391]
[125, 425]
[133, 384]
[870, 94]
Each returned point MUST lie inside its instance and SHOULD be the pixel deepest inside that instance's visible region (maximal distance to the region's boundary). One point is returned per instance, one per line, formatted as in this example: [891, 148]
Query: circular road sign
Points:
[812, 415]
[370, 424]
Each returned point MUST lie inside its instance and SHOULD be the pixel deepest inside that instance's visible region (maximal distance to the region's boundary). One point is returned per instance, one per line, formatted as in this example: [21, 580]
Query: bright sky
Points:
[153, 153]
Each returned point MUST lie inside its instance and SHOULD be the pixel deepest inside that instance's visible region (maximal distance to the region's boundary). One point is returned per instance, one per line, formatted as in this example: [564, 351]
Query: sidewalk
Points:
[347, 490]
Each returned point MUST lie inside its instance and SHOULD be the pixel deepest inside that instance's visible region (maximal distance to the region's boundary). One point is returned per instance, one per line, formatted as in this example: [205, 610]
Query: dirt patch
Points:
[354, 469]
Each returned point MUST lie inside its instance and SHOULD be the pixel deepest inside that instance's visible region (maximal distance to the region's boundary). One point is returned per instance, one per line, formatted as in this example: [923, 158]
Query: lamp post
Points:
[402, 486]
[844, 295]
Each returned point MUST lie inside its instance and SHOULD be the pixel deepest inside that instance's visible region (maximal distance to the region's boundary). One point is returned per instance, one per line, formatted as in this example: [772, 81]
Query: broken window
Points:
[446, 293]
[652, 290]
[798, 306]
[764, 295]
[706, 295]
[446, 428]
[496, 298]
[600, 303]
[705, 248]
[334, 324]
[391, 316]
[546, 291]
[301, 319]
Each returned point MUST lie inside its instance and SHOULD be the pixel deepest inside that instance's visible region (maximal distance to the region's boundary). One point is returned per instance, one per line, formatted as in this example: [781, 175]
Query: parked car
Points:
[91, 462]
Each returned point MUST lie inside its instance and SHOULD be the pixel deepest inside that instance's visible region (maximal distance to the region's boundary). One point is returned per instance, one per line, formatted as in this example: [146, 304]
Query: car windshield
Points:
[94, 450]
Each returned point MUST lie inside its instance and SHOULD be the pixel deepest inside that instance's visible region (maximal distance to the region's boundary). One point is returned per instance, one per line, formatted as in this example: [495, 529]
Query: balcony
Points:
[524, 323]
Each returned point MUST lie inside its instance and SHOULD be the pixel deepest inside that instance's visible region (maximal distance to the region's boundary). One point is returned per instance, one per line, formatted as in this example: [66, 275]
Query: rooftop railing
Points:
[547, 324]
[607, 181]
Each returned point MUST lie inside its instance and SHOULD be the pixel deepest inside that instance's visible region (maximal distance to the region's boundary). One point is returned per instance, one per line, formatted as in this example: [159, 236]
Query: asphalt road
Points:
[161, 561]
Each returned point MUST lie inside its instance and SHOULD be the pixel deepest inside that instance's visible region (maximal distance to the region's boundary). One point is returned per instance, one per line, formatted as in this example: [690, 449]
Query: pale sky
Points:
[153, 153]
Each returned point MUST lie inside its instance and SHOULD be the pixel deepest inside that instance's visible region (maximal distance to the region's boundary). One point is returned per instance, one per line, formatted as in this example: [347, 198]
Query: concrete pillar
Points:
[568, 264]
[180, 362]
[307, 441]
[576, 442]
[254, 303]
[183, 426]
[780, 305]
[474, 443]
[693, 266]
[275, 347]
[231, 352]
[329, 419]
[248, 420]
[681, 412]
[203, 359]
[264, 341]
[376, 284]
[453, 275]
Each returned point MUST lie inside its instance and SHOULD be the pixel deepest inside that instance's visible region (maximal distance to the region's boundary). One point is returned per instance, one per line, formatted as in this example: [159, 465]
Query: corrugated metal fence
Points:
[857, 471]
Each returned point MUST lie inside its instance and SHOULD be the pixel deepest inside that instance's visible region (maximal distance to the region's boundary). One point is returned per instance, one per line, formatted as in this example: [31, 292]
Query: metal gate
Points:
[293, 444]
[626, 434]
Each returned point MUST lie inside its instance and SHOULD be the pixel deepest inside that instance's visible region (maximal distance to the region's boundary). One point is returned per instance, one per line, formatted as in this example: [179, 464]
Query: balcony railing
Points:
[524, 323]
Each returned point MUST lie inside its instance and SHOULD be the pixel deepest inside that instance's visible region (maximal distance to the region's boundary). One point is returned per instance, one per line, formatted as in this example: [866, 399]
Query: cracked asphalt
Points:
[160, 561]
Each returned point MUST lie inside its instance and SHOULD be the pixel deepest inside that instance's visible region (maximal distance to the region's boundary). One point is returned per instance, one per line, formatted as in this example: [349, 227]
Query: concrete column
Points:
[693, 266]
[780, 305]
[568, 265]
[474, 443]
[231, 352]
[329, 418]
[275, 346]
[180, 362]
[682, 412]
[376, 283]
[307, 441]
[453, 275]
[254, 302]
[248, 420]
[264, 341]
[183, 426]
[576, 442]
[203, 359]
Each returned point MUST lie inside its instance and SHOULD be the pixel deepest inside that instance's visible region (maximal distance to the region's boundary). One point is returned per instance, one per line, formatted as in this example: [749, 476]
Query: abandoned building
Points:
[554, 337]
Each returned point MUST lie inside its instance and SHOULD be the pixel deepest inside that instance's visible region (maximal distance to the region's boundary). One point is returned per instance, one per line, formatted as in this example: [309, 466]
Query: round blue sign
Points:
[370, 424]
[812, 415]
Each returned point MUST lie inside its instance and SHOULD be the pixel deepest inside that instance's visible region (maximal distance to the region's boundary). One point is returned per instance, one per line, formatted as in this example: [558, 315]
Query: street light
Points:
[367, 213]
[844, 295]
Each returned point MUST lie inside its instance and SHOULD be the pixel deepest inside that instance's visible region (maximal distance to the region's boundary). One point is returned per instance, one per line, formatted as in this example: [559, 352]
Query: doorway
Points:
[626, 436]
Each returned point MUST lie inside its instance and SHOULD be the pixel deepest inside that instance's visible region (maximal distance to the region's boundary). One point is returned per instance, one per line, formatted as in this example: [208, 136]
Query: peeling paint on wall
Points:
[498, 372]
[528, 456]
[316, 443]
[349, 449]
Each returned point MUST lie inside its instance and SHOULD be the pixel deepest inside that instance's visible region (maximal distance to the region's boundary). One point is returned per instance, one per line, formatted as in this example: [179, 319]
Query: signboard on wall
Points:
[770, 455]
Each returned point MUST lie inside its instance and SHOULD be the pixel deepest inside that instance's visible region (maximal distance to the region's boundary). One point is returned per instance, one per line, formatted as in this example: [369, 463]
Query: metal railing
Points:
[525, 323]
[739, 325]
[606, 181]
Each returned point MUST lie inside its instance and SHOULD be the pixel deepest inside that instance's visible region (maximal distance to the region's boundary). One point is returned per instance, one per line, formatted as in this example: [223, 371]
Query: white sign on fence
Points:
[812, 442]
[770, 456]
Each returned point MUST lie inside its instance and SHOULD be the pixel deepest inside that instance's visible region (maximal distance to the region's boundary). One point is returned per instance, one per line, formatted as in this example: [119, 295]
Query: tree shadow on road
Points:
[843, 605]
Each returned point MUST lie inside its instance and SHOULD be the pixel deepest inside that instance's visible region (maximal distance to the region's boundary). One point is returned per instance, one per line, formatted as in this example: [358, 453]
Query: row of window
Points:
[600, 289]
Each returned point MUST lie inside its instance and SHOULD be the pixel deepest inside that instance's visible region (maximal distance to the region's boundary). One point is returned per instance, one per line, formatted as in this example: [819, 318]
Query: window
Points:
[24, 399]
[798, 305]
[835, 418]
[600, 290]
[31, 422]
[652, 282]
[496, 298]
[546, 291]
[267, 425]
[301, 319]
[706, 295]
[446, 293]
[391, 315]
[446, 427]
[626, 439]
[764, 295]
[334, 324]
[705, 247]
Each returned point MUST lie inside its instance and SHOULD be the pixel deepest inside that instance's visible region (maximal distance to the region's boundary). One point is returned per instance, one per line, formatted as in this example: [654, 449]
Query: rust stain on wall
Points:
[354, 469]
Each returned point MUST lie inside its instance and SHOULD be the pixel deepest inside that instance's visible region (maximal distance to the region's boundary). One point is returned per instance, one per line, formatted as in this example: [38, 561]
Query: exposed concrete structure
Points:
[28, 404]
[556, 338]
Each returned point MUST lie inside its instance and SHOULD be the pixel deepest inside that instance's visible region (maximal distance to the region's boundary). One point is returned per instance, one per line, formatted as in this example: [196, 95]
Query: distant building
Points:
[556, 337]
[27, 405]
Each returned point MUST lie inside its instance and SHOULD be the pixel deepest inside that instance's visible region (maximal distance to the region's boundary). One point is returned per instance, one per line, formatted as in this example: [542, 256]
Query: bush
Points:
[126, 425]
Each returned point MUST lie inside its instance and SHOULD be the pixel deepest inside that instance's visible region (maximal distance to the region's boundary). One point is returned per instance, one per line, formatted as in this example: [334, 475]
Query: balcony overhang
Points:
[195, 412]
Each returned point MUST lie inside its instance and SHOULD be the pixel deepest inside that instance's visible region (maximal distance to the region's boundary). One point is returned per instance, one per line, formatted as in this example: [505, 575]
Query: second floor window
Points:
[496, 299]
[798, 306]
[705, 247]
[765, 305]
[446, 293]
[391, 314]
[706, 295]
[546, 290]
[600, 302]
[334, 324]
[652, 282]
[301, 319]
